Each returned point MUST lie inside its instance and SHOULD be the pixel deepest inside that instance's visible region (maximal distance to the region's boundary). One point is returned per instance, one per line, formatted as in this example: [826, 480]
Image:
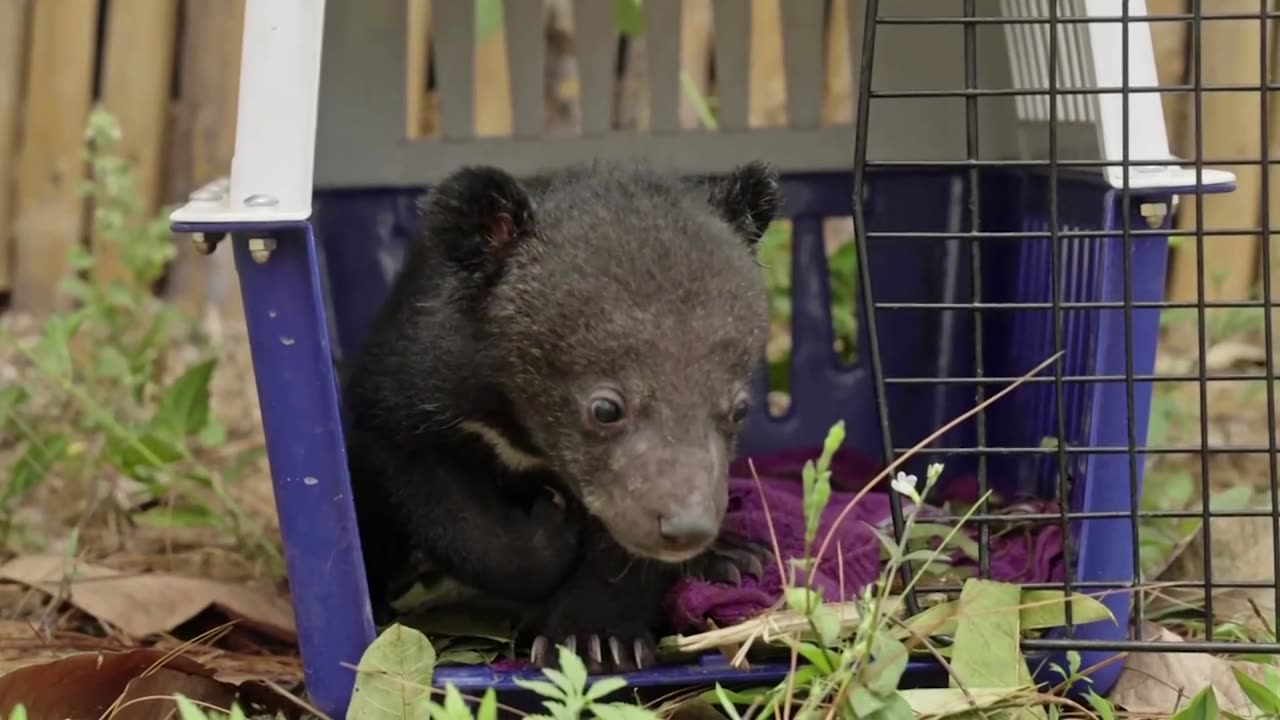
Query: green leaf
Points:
[488, 709]
[628, 15]
[864, 702]
[19, 712]
[959, 540]
[1040, 609]
[1073, 661]
[1261, 696]
[454, 706]
[827, 623]
[1101, 706]
[734, 697]
[1048, 609]
[603, 687]
[562, 681]
[10, 398]
[180, 517]
[1204, 706]
[896, 707]
[938, 702]
[815, 655]
[891, 549]
[1271, 676]
[212, 434]
[393, 678]
[622, 711]
[33, 465]
[147, 452]
[575, 671]
[986, 653]
[802, 600]
[467, 656]
[237, 712]
[890, 662]
[184, 408]
[188, 710]
[541, 687]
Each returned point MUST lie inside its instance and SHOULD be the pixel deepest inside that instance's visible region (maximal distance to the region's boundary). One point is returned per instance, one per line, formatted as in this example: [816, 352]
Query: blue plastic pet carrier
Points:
[994, 227]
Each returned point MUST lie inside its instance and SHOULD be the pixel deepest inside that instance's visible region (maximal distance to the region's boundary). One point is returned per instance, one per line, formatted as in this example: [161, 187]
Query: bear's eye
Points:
[741, 406]
[606, 407]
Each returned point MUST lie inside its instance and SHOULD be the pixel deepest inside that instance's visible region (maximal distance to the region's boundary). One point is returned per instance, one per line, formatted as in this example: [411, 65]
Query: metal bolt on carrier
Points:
[260, 248]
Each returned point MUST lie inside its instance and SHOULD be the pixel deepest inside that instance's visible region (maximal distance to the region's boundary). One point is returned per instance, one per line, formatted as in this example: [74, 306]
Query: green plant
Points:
[100, 408]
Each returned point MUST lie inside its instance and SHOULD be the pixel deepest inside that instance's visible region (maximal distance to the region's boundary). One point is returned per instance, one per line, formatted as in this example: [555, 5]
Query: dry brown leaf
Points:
[1160, 683]
[145, 604]
[151, 697]
[82, 685]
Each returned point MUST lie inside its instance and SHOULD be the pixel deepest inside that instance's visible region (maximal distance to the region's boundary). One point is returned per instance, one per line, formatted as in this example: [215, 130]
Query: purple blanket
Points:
[1029, 554]
[1018, 554]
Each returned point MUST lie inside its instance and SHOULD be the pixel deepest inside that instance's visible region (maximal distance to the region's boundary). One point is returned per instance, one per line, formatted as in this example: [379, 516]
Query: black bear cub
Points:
[547, 404]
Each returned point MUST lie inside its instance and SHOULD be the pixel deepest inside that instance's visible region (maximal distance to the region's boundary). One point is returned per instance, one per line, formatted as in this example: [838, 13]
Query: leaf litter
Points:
[128, 685]
[145, 604]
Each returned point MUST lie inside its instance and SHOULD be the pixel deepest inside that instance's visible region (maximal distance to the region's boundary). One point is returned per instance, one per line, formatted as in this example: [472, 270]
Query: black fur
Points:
[518, 306]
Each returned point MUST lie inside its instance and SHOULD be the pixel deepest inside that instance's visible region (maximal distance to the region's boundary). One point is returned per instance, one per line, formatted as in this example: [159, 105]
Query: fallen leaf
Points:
[151, 696]
[1160, 683]
[393, 678]
[145, 604]
[1234, 353]
[986, 653]
[941, 702]
[82, 685]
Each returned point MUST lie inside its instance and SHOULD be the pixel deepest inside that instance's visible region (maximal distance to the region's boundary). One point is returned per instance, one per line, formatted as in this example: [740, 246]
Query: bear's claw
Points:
[622, 656]
[728, 560]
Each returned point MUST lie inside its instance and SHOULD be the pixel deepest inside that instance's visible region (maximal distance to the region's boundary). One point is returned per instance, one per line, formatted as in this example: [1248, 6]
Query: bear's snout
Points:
[689, 528]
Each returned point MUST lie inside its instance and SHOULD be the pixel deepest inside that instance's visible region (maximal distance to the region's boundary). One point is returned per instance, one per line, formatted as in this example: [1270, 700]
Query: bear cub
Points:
[547, 403]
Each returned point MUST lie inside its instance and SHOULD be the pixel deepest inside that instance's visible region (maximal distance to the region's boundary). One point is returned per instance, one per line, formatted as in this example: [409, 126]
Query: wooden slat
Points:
[631, 93]
[695, 55]
[803, 44]
[417, 39]
[50, 211]
[136, 85]
[837, 98]
[526, 60]
[203, 141]
[455, 67]
[493, 85]
[855, 22]
[13, 55]
[663, 41]
[1169, 43]
[768, 89]
[1232, 130]
[733, 33]
[596, 37]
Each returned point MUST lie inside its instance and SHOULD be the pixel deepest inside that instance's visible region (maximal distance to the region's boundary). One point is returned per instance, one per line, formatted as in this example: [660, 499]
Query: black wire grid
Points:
[982, 382]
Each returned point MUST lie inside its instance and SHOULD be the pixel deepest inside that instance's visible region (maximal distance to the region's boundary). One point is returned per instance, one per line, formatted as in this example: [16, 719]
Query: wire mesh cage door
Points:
[1050, 292]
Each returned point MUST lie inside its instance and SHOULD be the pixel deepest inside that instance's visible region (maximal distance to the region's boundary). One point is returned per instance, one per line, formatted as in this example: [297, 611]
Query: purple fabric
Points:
[1018, 554]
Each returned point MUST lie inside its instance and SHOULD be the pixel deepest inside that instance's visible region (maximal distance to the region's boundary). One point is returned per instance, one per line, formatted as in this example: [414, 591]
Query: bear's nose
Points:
[688, 529]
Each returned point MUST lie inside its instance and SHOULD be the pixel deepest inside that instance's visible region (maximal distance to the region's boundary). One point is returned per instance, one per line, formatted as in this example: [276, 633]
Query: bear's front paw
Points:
[728, 560]
[603, 653]
[556, 527]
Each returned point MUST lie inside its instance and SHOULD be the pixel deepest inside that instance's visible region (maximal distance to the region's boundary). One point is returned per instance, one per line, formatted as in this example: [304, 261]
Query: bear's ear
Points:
[478, 214]
[748, 200]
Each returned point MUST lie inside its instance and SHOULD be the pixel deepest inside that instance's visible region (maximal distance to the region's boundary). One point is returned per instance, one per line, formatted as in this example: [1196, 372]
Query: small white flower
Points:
[905, 484]
[932, 474]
